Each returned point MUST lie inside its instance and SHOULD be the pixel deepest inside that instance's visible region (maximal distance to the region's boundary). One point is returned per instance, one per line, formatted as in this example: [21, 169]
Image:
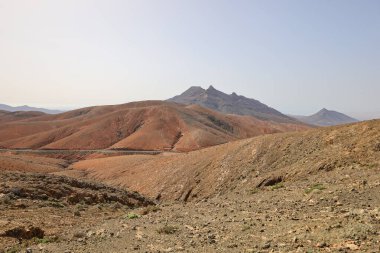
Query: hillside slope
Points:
[24, 163]
[6, 116]
[313, 191]
[326, 118]
[233, 104]
[265, 160]
[147, 125]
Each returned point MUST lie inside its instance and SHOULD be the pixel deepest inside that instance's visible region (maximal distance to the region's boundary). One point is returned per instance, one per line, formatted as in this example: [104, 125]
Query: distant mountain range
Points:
[231, 104]
[216, 100]
[326, 118]
[26, 108]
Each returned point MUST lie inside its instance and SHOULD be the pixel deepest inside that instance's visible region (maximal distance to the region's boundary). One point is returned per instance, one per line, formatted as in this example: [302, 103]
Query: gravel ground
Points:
[313, 215]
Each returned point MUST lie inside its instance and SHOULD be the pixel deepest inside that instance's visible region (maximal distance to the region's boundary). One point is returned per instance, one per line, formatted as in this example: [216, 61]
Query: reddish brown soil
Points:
[313, 191]
[149, 125]
[6, 116]
[25, 163]
[241, 164]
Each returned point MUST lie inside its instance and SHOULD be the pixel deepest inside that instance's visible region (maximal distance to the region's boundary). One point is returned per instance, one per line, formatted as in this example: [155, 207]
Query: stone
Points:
[321, 245]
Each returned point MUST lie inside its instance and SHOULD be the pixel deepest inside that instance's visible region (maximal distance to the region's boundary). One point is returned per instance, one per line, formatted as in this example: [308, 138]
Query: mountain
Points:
[146, 125]
[232, 104]
[326, 118]
[26, 108]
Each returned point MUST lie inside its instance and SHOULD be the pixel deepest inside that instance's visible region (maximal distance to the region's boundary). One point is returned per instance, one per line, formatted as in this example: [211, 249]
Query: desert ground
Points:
[310, 191]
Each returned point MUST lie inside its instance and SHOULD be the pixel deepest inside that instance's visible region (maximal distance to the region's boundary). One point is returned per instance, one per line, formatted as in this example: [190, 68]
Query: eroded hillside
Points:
[313, 191]
[147, 125]
[242, 164]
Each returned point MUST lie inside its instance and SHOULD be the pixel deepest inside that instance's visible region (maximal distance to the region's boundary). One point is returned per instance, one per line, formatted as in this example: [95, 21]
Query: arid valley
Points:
[190, 180]
[195, 126]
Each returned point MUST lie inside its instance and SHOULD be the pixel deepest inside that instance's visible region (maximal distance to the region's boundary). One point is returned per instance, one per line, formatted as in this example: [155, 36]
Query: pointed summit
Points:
[211, 91]
[231, 104]
[326, 117]
[211, 88]
[193, 91]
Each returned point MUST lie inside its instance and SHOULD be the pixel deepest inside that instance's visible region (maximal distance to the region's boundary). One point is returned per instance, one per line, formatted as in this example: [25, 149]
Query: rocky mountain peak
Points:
[231, 104]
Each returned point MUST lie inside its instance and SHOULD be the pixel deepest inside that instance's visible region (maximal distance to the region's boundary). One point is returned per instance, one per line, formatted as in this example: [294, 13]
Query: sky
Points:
[295, 56]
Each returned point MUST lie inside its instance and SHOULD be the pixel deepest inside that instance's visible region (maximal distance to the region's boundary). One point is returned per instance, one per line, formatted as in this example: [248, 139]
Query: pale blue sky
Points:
[296, 56]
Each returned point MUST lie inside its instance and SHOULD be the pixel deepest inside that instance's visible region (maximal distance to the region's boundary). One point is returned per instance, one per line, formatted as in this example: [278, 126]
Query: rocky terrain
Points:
[148, 125]
[232, 104]
[40, 208]
[313, 215]
[309, 191]
[241, 164]
[326, 118]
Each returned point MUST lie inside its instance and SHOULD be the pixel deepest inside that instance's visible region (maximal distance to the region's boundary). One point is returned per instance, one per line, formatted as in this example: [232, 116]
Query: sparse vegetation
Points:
[277, 186]
[149, 209]
[79, 235]
[253, 191]
[245, 228]
[221, 124]
[81, 206]
[14, 249]
[45, 240]
[6, 200]
[117, 206]
[372, 165]
[167, 230]
[56, 204]
[131, 216]
[319, 187]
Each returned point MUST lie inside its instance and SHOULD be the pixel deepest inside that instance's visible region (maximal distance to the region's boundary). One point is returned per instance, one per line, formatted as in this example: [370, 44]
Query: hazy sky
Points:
[296, 56]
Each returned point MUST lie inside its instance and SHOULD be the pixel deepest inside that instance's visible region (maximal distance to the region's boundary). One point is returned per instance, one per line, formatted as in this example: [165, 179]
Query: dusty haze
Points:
[295, 56]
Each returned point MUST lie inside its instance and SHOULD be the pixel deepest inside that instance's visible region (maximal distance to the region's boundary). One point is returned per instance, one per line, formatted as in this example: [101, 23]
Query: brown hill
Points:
[24, 163]
[148, 125]
[6, 116]
[323, 154]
